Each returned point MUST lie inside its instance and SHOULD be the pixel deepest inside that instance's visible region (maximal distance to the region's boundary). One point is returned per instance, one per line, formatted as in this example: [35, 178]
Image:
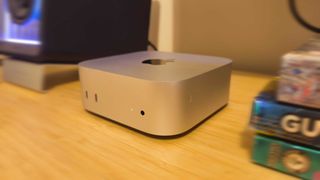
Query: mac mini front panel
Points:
[158, 93]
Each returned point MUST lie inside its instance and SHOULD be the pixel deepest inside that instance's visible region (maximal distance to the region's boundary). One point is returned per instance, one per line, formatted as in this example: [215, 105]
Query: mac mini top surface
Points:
[162, 94]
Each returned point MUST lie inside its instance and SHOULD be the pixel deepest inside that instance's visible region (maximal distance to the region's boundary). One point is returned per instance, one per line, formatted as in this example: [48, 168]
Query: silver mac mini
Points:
[162, 94]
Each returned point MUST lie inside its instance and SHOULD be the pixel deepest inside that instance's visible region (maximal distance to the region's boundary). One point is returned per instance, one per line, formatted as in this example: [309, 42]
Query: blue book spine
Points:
[289, 122]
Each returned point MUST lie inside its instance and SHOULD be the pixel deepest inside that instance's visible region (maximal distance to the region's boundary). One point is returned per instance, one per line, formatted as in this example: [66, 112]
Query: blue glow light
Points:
[26, 33]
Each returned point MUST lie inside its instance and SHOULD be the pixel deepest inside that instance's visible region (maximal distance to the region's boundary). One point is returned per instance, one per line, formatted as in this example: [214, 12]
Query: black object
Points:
[296, 15]
[152, 46]
[74, 30]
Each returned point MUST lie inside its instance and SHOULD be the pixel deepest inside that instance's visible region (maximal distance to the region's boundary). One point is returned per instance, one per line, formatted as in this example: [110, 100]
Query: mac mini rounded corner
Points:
[162, 94]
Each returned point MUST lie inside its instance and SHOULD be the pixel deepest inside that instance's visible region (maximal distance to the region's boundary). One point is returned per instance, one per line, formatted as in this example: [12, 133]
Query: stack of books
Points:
[286, 116]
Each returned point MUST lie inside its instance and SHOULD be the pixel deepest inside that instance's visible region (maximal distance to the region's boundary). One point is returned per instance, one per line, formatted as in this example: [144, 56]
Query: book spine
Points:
[299, 161]
[291, 123]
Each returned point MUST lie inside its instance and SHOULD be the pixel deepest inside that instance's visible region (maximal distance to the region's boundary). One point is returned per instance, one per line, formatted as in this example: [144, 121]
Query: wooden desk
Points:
[50, 136]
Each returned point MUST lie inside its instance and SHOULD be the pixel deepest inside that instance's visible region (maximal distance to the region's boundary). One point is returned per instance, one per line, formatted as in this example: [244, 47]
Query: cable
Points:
[296, 15]
[153, 46]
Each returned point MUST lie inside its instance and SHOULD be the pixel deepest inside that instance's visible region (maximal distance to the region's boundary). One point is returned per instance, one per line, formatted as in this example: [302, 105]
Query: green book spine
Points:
[292, 159]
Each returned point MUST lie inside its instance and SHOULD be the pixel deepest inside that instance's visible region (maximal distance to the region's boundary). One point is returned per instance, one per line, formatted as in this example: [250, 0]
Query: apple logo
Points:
[157, 61]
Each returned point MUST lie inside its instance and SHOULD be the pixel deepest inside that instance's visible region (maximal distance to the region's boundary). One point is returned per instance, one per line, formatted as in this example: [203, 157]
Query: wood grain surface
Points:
[50, 136]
